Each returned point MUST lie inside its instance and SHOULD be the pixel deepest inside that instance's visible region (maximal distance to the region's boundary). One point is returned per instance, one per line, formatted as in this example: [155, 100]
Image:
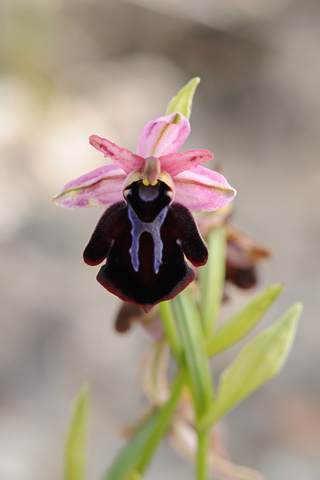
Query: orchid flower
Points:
[147, 229]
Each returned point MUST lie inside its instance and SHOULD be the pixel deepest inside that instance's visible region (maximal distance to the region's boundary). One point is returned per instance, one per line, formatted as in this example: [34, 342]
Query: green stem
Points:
[212, 280]
[193, 342]
[163, 422]
[170, 330]
[203, 455]
[134, 476]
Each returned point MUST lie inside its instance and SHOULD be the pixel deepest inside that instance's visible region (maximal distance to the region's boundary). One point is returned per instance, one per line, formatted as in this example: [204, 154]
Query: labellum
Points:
[145, 240]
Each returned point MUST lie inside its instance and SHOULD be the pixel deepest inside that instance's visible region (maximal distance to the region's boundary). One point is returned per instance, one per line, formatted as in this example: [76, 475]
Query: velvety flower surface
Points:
[147, 230]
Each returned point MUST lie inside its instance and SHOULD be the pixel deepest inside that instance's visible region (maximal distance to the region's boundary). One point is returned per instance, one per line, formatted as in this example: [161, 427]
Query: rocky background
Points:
[74, 68]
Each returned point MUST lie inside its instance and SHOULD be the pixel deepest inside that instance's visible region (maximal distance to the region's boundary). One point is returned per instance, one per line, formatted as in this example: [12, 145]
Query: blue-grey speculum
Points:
[147, 209]
[139, 227]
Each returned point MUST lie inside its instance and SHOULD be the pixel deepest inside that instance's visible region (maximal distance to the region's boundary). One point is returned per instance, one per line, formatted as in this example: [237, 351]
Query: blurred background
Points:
[79, 67]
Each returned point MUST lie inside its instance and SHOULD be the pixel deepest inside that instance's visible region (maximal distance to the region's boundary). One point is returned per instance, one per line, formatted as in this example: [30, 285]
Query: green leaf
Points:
[170, 330]
[194, 349]
[75, 452]
[134, 476]
[243, 321]
[126, 461]
[163, 422]
[212, 279]
[136, 455]
[259, 361]
[182, 101]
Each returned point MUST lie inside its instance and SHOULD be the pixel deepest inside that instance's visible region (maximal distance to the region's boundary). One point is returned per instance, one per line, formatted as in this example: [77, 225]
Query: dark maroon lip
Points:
[150, 268]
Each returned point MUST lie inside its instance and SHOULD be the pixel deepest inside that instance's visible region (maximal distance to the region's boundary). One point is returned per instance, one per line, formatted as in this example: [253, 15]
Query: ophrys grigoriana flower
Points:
[147, 229]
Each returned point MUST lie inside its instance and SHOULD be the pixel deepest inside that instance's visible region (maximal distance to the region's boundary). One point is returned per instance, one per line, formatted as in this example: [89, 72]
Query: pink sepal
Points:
[202, 189]
[101, 187]
[163, 135]
[175, 163]
[122, 157]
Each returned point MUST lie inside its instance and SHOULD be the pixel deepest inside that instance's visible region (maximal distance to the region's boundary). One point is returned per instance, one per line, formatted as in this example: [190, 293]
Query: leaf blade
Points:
[75, 450]
[259, 361]
[212, 278]
[126, 461]
[243, 321]
[136, 455]
[170, 329]
[192, 339]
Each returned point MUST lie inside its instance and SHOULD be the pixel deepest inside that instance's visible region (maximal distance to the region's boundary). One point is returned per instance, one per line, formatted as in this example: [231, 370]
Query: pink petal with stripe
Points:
[202, 189]
[122, 157]
[163, 135]
[175, 163]
[101, 187]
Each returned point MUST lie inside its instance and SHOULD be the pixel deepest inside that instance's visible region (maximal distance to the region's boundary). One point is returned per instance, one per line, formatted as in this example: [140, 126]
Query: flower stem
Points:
[170, 330]
[193, 343]
[202, 455]
[212, 280]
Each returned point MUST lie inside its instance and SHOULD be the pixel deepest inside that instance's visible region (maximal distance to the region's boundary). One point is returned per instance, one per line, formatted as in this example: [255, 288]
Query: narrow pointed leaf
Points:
[137, 454]
[182, 101]
[134, 476]
[212, 279]
[193, 342]
[171, 331]
[243, 321]
[259, 361]
[75, 453]
[163, 422]
[126, 461]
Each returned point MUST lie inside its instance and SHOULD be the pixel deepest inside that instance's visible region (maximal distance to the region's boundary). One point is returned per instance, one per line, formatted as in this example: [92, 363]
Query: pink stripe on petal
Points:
[175, 163]
[202, 189]
[101, 187]
[163, 135]
[122, 157]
